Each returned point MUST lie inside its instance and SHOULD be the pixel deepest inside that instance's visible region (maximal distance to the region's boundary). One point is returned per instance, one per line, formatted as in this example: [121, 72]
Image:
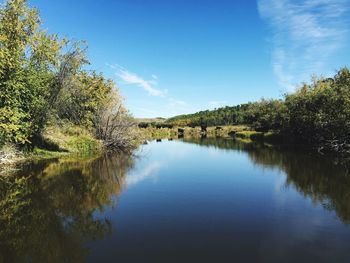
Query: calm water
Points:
[196, 200]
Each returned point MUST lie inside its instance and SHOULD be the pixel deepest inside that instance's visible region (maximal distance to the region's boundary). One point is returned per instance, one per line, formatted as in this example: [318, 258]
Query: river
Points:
[189, 200]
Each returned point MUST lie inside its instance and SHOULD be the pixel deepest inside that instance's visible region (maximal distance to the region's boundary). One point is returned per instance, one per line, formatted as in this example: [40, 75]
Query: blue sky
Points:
[170, 57]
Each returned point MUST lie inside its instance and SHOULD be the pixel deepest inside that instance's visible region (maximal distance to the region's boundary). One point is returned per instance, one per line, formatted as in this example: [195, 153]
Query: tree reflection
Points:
[325, 180]
[47, 210]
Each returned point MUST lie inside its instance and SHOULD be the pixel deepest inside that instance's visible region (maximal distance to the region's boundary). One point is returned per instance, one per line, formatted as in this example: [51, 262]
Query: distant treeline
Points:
[316, 113]
[222, 116]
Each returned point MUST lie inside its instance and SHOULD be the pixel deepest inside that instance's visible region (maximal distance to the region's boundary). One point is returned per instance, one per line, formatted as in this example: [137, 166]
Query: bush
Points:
[321, 111]
[266, 115]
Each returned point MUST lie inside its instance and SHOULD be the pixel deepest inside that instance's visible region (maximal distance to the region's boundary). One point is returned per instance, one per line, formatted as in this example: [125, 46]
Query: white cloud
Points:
[172, 106]
[132, 78]
[305, 35]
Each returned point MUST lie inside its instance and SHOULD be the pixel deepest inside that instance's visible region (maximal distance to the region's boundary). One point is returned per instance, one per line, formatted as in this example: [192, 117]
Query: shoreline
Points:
[87, 145]
[56, 142]
[244, 133]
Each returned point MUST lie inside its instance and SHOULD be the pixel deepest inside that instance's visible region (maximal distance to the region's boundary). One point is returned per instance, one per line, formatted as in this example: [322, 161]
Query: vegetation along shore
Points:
[316, 114]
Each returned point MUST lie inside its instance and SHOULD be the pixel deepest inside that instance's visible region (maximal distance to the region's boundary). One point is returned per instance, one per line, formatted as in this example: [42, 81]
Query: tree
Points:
[321, 111]
[27, 55]
[266, 115]
[82, 97]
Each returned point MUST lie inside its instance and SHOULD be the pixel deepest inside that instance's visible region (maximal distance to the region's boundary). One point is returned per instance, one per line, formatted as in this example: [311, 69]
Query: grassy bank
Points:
[72, 139]
[56, 141]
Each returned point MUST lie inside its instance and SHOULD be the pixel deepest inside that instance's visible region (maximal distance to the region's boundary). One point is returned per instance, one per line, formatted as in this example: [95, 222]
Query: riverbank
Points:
[238, 132]
[229, 131]
[57, 141]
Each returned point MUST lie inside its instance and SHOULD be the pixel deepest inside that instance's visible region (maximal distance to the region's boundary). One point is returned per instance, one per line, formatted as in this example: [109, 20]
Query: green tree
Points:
[321, 111]
[27, 55]
[266, 115]
[82, 96]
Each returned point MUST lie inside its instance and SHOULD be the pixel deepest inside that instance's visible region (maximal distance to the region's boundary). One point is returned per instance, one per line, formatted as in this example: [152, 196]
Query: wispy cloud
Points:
[306, 33]
[131, 78]
[170, 105]
[148, 85]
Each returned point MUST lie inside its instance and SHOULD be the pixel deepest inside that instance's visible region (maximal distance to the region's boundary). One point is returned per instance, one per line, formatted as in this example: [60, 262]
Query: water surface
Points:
[195, 200]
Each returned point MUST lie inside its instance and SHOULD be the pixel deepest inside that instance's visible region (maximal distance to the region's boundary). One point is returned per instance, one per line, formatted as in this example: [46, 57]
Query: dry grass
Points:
[72, 139]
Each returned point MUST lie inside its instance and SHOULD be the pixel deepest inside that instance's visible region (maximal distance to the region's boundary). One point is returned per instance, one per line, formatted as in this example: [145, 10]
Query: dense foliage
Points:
[43, 78]
[29, 59]
[316, 112]
[321, 111]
